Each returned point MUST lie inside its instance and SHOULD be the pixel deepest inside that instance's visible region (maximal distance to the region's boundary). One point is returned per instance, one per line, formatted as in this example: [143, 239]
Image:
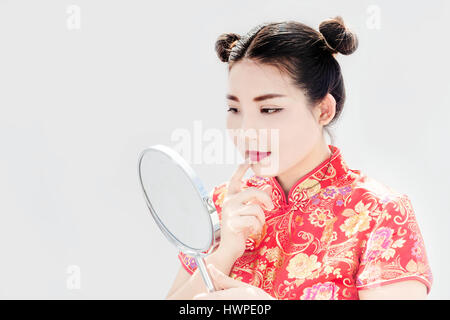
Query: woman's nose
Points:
[247, 124]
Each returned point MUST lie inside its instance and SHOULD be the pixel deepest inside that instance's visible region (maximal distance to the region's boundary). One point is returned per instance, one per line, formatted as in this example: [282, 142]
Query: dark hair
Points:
[304, 53]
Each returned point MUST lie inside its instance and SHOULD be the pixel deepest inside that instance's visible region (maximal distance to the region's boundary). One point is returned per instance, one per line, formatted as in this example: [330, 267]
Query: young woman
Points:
[325, 231]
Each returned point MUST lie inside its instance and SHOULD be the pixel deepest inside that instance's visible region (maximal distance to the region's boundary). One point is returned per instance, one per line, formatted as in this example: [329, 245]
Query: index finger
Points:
[234, 185]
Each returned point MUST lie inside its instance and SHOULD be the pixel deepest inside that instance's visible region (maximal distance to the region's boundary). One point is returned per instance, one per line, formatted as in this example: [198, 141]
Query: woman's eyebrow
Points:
[259, 98]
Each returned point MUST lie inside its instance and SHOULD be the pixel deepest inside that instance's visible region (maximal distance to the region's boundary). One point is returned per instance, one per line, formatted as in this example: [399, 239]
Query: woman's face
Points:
[283, 125]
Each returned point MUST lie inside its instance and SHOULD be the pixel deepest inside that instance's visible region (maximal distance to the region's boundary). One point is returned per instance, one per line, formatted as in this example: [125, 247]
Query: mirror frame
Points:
[210, 209]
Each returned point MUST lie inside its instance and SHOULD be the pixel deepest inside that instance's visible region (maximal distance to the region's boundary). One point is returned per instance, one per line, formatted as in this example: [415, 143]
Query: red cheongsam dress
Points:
[338, 232]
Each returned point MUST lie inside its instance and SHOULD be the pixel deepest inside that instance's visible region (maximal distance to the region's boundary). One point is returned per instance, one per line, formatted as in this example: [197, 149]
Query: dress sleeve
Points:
[187, 262]
[394, 249]
[217, 195]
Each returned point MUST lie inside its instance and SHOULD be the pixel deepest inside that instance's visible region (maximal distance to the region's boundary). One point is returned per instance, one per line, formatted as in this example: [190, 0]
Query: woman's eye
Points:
[233, 110]
[271, 110]
[266, 110]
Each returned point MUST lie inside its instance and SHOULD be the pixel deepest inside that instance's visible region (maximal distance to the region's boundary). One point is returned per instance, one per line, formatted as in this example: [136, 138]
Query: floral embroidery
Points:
[331, 270]
[359, 220]
[416, 250]
[338, 232]
[319, 217]
[345, 190]
[302, 266]
[329, 192]
[272, 254]
[321, 291]
[380, 244]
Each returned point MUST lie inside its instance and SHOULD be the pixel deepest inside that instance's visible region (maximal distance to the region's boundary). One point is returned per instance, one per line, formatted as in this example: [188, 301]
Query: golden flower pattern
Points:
[302, 266]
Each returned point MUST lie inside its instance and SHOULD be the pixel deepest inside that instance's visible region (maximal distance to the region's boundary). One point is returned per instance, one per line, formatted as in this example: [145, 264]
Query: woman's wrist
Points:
[221, 259]
[225, 255]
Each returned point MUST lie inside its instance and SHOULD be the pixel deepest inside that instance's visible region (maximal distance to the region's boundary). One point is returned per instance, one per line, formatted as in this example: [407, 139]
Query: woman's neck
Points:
[318, 154]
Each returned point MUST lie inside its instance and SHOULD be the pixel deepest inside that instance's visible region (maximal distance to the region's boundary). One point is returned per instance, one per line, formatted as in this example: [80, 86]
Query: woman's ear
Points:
[326, 110]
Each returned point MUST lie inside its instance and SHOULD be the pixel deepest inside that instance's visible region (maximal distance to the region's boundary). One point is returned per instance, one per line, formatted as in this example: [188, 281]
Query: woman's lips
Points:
[258, 155]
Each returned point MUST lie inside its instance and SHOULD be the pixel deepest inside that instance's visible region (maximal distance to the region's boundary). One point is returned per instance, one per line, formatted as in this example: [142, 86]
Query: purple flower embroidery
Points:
[339, 202]
[345, 190]
[416, 250]
[192, 263]
[321, 291]
[329, 192]
[379, 242]
[189, 261]
[413, 236]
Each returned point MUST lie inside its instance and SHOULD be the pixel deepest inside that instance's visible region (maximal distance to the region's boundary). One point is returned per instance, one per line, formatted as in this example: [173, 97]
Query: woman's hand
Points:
[242, 215]
[231, 289]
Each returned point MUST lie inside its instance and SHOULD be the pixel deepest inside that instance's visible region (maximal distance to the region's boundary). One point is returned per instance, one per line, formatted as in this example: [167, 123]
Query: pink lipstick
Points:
[258, 155]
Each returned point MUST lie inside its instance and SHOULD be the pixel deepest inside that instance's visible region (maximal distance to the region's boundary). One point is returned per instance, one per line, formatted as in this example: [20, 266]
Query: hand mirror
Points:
[179, 204]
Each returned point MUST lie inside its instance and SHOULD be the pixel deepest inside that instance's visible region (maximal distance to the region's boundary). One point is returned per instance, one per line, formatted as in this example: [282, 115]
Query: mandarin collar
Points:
[323, 175]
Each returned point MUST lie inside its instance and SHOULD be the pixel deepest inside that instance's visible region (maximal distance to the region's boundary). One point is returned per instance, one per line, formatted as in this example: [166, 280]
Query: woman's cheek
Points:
[231, 123]
[294, 147]
[279, 157]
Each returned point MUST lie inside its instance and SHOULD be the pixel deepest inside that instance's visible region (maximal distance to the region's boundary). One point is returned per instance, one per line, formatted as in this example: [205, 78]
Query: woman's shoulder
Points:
[374, 205]
[364, 186]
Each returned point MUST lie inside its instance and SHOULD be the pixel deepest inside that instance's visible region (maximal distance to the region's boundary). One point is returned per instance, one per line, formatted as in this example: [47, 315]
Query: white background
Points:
[78, 105]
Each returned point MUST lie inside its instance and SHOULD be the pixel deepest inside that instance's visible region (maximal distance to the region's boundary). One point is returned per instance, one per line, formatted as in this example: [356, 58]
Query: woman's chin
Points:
[264, 169]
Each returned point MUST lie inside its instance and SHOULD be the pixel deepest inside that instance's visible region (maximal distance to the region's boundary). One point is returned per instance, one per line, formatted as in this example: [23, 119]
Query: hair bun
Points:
[338, 36]
[225, 42]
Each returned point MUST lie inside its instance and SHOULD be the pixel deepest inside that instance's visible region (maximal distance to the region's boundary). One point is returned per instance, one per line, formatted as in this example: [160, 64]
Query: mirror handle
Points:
[205, 274]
